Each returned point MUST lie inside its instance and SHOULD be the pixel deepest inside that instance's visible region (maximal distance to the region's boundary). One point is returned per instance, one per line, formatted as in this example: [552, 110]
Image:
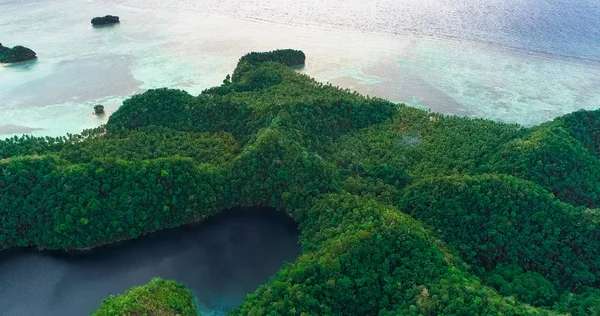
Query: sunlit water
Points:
[513, 61]
[220, 260]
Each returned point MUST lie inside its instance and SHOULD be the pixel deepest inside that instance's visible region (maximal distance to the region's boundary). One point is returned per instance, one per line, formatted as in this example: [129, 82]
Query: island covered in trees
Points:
[16, 54]
[402, 211]
[105, 20]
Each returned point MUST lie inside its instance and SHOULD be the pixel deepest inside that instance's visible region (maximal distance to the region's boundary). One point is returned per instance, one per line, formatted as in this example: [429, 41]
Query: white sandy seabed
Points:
[175, 45]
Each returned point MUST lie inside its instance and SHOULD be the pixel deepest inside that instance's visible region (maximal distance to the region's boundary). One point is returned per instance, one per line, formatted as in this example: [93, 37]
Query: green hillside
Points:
[401, 211]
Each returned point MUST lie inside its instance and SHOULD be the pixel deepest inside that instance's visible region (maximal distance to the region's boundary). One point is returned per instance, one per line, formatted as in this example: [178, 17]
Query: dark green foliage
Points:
[50, 204]
[105, 20]
[15, 54]
[402, 211]
[366, 258]
[451, 145]
[260, 78]
[288, 57]
[159, 297]
[161, 107]
[492, 219]
[551, 157]
[137, 145]
[529, 287]
[277, 171]
[28, 145]
[585, 127]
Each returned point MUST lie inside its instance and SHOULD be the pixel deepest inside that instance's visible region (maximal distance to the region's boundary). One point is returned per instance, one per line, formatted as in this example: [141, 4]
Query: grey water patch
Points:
[78, 81]
[17, 129]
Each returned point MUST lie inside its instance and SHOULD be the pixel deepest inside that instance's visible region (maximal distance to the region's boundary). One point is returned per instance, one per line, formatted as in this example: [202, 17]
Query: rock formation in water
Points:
[105, 20]
[15, 54]
[98, 109]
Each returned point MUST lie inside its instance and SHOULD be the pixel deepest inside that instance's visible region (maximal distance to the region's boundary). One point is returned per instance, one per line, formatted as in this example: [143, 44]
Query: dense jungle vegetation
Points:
[402, 211]
[159, 297]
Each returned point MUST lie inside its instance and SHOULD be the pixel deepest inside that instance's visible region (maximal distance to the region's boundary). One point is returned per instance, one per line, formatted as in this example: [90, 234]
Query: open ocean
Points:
[514, 61]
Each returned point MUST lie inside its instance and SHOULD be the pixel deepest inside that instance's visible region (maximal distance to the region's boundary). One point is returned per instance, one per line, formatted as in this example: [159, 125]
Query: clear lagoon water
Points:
[513, 61]
[221, 260]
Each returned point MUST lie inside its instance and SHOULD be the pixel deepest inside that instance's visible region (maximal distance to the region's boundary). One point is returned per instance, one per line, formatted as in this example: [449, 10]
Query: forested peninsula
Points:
[402, 211]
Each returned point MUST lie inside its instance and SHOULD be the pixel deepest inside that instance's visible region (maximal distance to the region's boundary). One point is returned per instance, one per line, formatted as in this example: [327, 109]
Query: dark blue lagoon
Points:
[221, 260]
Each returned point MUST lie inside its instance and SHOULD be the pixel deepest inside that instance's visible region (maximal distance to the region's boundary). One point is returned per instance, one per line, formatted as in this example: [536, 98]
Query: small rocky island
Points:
[15, 54]
[105, 20]
[98, 109]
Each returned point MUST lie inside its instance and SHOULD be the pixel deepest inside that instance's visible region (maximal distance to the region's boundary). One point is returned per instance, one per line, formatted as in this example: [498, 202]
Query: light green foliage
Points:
[402, 211]
[159, 297]
[585, 303]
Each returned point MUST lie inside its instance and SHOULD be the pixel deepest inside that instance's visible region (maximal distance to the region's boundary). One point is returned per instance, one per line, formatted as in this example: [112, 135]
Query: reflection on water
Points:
[192, 45]
[220, 260]
[560, 27]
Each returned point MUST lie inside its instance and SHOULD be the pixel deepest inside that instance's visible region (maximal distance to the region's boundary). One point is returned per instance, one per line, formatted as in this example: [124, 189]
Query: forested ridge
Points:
[402, 211]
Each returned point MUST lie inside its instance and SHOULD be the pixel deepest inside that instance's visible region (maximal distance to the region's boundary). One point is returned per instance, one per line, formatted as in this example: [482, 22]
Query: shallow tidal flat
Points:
[80, 66]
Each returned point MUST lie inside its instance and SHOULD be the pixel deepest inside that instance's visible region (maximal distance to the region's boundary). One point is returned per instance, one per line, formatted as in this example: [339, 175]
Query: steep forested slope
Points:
[402, 211]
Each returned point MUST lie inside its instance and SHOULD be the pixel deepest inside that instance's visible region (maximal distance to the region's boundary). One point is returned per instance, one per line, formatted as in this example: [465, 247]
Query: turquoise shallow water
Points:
[192, 45]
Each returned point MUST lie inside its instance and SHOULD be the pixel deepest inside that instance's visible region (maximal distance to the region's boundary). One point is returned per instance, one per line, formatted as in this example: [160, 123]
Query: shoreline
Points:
[123, 241]
[189, 50]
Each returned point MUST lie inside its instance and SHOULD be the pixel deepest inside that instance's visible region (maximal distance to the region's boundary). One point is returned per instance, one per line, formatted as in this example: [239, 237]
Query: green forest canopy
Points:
[402, 211]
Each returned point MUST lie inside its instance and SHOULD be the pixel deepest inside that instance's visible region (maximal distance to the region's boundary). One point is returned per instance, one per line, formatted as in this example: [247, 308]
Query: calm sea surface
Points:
[513, 61]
